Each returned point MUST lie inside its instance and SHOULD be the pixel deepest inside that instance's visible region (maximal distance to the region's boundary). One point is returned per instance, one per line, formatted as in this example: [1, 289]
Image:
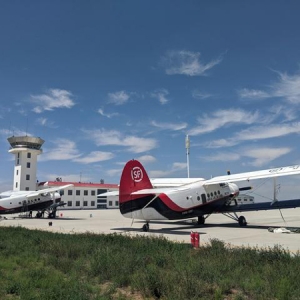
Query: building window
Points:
[70, 192]
[61, 192]
[28, 155]
[28, 165]
[92, 203]
[16, 185]
[93, 193]
[69, 203]
[85, 203]
[85, 193]
[101, 191]
[27, 177]
[77, 203]
[77, 192]
[117, 203]
[27, 188]
[109, 203]
[18, 161]
[17, 172]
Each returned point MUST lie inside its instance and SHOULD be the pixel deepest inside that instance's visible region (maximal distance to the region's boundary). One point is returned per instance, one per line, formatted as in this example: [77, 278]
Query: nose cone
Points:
[234, 190]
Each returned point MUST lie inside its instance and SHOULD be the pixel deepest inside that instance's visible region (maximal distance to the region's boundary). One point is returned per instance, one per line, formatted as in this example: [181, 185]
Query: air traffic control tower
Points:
[26, 149]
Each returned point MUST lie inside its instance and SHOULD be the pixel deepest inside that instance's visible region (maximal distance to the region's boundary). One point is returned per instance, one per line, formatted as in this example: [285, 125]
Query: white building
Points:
[26, 149]
[85, 195]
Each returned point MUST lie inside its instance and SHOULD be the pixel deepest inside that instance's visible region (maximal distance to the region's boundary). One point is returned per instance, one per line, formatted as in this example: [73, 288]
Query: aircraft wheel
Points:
[38, 215]
[146, 227]
[51, 216]
[201, 220]
[242, 221]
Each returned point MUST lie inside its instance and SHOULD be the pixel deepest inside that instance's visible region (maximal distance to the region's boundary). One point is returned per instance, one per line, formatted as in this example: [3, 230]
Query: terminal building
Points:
[80, 196]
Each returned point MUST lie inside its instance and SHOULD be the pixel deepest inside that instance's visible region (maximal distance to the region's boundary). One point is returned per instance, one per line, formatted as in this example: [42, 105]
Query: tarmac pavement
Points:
[217, 226]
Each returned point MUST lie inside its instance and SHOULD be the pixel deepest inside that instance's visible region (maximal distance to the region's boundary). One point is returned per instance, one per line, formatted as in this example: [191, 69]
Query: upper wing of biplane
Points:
[276, 172]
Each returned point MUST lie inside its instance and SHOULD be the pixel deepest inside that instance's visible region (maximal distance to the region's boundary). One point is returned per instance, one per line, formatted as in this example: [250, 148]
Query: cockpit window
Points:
[223, 184]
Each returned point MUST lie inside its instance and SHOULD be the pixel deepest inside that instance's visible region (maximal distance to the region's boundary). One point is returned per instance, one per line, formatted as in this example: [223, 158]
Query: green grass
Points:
[44, 265]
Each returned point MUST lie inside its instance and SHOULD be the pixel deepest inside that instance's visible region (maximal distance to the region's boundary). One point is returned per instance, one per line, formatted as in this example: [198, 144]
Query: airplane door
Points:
[203, 198]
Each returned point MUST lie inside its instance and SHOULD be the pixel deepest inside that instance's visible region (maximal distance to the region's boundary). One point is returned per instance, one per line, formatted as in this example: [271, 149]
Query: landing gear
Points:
[146, 227]
[201, 220]
[241, 220]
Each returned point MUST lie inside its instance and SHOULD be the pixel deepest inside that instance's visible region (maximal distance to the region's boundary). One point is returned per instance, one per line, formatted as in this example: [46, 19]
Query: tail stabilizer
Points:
[133, 178]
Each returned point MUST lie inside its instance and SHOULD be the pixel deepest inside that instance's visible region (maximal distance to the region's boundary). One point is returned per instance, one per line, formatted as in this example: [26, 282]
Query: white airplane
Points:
[27, 201]
[138, 199]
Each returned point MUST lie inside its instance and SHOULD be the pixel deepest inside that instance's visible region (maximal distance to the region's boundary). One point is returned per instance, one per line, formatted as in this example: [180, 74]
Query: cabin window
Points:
[219, 193]
[198, 198]
[203, 196]
[215, 193]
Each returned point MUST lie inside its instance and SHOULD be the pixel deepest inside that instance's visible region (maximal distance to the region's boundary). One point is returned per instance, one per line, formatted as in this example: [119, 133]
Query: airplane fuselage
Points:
[188, 201]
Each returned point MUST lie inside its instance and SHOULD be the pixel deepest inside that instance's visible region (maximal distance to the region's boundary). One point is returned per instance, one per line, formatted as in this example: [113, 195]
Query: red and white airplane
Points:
[25, 201]
[138, 199]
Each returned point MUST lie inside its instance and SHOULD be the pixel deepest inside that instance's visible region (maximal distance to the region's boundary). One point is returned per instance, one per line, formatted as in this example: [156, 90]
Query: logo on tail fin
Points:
[137, 174]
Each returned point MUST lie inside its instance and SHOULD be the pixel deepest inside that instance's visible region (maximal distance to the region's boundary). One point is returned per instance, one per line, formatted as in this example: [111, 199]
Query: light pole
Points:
[187, 146]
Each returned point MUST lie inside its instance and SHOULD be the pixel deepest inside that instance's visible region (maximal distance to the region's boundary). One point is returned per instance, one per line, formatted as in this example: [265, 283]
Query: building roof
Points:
[81, 184]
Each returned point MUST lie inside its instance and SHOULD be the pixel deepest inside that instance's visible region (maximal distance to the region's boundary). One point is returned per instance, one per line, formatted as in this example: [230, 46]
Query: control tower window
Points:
[28, 155]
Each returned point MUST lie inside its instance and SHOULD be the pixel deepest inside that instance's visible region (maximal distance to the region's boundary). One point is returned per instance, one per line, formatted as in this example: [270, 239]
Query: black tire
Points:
[201, 220]
[242, 221]
[146, 227]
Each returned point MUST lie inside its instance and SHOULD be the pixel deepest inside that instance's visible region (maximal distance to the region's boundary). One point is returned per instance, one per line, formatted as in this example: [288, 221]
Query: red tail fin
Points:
[134, 178]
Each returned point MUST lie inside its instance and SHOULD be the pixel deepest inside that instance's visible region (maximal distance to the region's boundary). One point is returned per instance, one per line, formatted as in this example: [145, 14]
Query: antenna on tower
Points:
[187, 146]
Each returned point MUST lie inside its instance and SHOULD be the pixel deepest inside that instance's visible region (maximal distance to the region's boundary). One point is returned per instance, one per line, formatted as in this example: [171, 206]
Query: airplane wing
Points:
[276, 172]
[49, 190]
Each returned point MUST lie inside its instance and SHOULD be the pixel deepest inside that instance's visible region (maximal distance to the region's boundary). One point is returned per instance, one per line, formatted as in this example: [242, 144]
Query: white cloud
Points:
[256, 133]
[118, 98]
[67, 177]
[161, 95]
[14, 132]
[253, 94]
[94, 156]
[263, 156]
[266, 132]
[223, 156]
[65, 150]
[220, 143]
[169, 126]
[145, 159]
[200, 95]
[101, 112]
[187, 63]
[286, 87]
[54, 98]
[133, 144]
[220, 118]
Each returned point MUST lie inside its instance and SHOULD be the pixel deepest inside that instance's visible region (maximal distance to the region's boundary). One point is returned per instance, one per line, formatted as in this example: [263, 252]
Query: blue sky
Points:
[103, 82]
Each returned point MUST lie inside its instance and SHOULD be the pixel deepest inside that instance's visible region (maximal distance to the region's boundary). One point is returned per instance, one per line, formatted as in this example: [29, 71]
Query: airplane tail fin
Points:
[134, 178]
